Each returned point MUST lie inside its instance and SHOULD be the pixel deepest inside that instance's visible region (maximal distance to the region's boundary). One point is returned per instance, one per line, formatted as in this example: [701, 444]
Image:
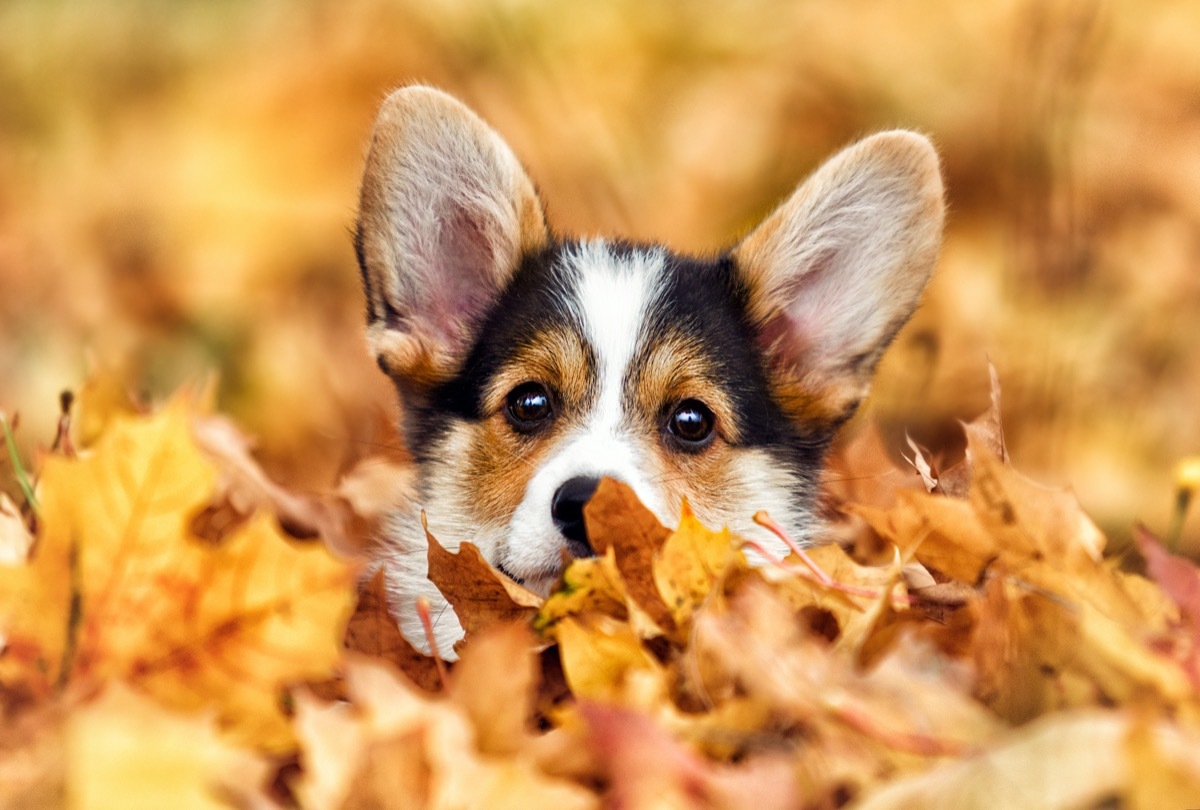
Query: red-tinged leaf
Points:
[1179, 577]
[646, 767]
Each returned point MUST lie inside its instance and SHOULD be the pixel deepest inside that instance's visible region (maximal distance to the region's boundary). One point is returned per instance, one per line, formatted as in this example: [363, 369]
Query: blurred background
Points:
[178, 181]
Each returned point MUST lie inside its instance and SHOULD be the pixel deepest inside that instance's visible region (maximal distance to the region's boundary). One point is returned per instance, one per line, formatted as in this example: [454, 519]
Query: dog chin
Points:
[540, 580]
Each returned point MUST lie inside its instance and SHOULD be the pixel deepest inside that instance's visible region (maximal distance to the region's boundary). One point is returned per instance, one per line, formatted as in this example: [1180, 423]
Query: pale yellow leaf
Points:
[125, 751]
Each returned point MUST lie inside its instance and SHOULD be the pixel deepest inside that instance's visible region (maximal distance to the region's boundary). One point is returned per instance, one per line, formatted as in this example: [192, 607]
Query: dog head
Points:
[531, 366]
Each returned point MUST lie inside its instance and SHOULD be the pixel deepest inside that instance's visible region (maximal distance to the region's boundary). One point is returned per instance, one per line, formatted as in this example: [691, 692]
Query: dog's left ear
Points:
[446, 213]
[834, 272]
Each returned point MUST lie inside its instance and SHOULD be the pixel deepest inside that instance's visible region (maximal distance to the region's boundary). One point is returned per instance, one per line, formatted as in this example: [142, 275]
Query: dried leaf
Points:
[1062, 761]
[400, 748]
[242, 619]
[646, 767]
[617, 519]
[691, 563]
[921, 465]
[364, 499]
[480, 595]
[604, 660]
[494, 685]
[589, 585]
[125, 750]
[372, 630]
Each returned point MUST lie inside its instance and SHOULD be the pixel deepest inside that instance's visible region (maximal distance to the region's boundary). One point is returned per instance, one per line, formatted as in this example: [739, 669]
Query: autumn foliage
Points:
[164, 642]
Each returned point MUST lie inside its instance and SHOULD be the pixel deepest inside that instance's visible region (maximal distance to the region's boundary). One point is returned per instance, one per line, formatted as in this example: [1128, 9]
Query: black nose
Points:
[567, 510]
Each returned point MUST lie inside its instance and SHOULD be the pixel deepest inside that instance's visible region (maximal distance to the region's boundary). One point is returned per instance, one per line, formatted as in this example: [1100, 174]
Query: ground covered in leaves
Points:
[175, 632]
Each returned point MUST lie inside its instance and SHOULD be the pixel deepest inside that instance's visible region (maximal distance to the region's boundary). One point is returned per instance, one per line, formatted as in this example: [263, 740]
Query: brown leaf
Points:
[372, 630]
[245, 488]
[365, 497]
[395, 746]
[480, 595]
[616, 518]
[985, 436]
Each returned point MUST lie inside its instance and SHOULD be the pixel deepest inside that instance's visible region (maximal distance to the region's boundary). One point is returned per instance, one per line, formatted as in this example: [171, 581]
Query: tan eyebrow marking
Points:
[674, 368]
[556, 357]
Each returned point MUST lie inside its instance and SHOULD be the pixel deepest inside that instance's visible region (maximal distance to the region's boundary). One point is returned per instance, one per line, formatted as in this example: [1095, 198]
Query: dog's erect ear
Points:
[445, 214]
[834, 272]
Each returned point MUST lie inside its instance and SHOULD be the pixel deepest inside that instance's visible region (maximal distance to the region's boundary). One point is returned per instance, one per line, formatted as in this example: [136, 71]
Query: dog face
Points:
[529, 366]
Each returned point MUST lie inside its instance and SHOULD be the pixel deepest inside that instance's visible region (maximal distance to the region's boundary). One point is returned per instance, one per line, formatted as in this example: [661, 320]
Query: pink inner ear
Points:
[784, 341]
[464, 286]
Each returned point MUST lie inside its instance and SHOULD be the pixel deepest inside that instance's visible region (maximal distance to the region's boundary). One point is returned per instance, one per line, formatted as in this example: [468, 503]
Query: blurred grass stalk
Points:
[1187, 481]
[19, 471]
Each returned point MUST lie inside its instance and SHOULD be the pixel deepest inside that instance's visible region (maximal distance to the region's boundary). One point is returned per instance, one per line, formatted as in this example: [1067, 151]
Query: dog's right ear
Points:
[445, 214]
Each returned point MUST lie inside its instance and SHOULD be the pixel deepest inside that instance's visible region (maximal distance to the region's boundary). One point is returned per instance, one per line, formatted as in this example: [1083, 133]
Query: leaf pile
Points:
[163, 641]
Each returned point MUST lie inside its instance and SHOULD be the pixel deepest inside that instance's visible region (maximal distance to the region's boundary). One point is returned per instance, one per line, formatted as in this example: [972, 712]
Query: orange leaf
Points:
[194, 624]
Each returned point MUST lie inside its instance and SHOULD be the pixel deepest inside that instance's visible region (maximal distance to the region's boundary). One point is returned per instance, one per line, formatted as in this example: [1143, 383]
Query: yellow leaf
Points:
[604, 660]
[195, 624]
[589, 585]
[124, 751]
[693, 560]
[1064, 760]
[101, 400]
[35, 609]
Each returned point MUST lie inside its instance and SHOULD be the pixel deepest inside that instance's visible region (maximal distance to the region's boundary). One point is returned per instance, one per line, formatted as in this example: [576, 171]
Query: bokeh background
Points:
[178, 181]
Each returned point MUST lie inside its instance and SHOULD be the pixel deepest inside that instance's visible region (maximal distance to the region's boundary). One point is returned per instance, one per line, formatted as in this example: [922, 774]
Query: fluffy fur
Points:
[471, 300]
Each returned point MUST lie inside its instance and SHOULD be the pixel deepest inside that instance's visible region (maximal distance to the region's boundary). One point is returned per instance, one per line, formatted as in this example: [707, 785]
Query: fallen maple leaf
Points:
[604, 660]
[480, 595]
[589, 585]
[646, 767]
[118, 588]
[617, 519]
[397, 747]
[690, 566]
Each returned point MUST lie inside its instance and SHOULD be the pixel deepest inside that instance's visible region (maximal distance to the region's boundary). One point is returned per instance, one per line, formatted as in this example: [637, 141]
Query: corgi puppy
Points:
[530, 365]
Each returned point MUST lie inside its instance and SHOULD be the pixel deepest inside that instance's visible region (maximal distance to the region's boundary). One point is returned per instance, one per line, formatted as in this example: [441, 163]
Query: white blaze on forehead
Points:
[613, 295]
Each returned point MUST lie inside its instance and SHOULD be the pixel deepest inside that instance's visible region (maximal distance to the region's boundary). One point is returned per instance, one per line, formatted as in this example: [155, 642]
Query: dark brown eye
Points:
[692, 424]
[529, 406]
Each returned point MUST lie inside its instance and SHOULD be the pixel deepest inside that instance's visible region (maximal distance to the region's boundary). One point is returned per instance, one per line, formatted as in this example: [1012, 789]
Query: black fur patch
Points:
[701, 301]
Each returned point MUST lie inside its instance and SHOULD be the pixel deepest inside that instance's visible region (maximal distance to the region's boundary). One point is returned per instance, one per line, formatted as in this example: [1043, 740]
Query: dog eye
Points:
[528, 406]
[692, 424]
